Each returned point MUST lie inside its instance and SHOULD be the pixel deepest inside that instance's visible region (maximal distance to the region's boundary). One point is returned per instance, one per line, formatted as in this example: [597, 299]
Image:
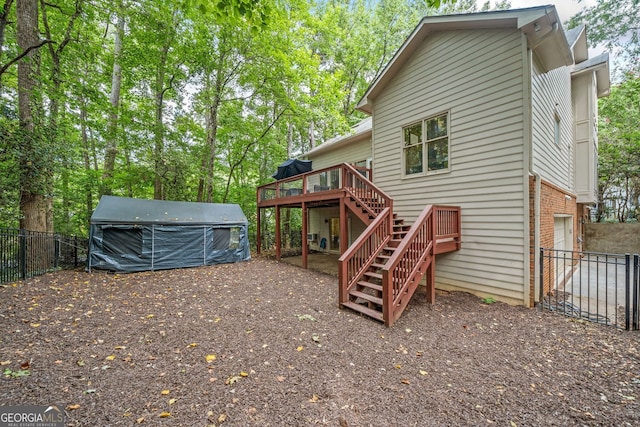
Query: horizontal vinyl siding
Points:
[478, 77]
[551, 92]
[349, 153]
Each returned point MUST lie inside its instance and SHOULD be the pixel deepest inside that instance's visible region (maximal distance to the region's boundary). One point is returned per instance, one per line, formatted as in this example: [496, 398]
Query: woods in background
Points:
[191, 100]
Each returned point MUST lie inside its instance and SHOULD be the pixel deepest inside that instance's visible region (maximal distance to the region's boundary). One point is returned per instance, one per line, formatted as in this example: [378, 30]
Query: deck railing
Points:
[321, 180]
[447, 222]
[401, 273]
[361, 254]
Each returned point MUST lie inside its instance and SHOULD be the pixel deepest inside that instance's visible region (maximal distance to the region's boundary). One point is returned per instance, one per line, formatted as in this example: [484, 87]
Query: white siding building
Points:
[494, 112]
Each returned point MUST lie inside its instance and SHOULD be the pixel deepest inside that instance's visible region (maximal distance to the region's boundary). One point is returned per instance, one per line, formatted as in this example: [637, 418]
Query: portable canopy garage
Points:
[139, 235]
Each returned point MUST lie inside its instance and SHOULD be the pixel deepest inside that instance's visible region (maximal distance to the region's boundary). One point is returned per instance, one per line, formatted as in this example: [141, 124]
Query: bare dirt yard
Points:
[263, 343]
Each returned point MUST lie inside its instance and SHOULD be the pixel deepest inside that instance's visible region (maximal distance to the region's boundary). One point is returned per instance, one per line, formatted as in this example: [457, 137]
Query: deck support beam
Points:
[344, 227]
[278, 237]
[431, 281]
[305, 230]
[258, 235]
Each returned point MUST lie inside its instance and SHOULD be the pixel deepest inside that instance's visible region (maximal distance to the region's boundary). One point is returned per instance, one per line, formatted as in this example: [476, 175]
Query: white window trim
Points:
[425, 169]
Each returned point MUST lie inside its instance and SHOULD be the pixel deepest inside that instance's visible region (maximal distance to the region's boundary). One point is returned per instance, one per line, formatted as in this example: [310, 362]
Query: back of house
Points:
[494, 112]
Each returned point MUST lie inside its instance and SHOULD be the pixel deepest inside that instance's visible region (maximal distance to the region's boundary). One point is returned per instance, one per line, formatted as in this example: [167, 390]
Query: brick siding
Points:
[553, 202]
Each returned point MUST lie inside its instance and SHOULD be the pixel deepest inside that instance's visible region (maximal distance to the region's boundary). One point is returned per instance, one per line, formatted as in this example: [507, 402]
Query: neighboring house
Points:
[494, 112]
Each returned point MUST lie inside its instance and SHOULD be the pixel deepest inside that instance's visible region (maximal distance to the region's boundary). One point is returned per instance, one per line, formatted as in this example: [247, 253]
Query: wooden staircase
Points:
[381, 270]
[367, 295]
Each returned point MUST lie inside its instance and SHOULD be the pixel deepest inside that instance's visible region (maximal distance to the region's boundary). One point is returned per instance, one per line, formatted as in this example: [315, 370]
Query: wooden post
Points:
[258, 235]
[344, 229]
[431, 271]
[278, 239]
[305, 231]
[387, 298]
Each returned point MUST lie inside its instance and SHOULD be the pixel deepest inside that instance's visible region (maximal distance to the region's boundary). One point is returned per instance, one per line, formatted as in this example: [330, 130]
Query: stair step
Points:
[372, 274]
[370, 285]
[377, 265]
[364, 310]
[367, 297]
[394, 243]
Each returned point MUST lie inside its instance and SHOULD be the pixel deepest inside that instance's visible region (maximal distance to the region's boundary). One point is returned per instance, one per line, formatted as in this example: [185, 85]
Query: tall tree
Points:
[111, 148]
[55, 93]
[619, 149]
[33, 160]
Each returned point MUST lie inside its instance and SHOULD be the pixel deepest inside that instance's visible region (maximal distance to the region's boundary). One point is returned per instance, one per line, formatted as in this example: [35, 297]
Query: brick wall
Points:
[553, 202]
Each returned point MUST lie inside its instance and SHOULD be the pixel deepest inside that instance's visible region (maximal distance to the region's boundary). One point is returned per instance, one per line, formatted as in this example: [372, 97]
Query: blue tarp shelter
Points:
[139, 235]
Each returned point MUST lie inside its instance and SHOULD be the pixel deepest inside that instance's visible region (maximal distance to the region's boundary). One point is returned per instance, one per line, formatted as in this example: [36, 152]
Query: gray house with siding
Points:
[493, 112]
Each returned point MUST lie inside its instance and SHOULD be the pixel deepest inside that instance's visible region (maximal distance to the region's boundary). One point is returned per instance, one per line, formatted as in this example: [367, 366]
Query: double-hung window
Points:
[426, 143]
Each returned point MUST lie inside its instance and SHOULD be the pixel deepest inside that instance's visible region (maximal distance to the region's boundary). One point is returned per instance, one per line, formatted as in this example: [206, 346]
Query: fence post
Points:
[636, 285]
[22, 238]
[541, 291]
[627, 291]
[75, 251]
[56, 251]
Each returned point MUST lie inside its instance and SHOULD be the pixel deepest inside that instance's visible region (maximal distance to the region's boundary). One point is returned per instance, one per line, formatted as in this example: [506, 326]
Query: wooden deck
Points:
[380, 271]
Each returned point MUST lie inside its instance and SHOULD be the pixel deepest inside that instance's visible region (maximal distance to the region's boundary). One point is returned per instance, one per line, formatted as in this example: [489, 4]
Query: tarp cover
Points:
[292, 167]
[138, 235]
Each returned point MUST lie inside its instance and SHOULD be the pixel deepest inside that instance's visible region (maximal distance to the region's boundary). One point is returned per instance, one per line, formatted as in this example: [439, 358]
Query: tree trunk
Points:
[289, 139]
[111, 148]
[86, 156]
[312, 137]
[212, 134]
[206, 186]
[33, 206]
[55, 51]
[159, 164]
[4, 13]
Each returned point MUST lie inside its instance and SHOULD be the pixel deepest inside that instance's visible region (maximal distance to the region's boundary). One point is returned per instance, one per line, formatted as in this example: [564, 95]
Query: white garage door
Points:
[559, 234]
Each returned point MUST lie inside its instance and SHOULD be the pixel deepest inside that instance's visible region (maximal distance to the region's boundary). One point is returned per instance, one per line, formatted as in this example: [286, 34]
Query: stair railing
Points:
[402, 272]
[366, 191]
[356, 260]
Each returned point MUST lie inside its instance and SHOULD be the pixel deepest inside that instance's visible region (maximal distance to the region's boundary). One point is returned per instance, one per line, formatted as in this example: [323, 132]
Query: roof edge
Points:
[529, 20]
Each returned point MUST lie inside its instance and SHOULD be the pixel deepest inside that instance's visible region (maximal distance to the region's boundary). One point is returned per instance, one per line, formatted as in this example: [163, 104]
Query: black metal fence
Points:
[25, 253]
[598, 287]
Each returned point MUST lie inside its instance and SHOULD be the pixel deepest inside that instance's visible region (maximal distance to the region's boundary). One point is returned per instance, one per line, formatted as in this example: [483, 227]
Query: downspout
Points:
[538, 184]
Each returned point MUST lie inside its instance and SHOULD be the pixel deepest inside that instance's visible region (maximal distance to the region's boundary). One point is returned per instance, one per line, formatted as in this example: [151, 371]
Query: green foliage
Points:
[488, 300]
[214, 95]
[9, 373]
[619, 149]
[613, 23]
[9, 173]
